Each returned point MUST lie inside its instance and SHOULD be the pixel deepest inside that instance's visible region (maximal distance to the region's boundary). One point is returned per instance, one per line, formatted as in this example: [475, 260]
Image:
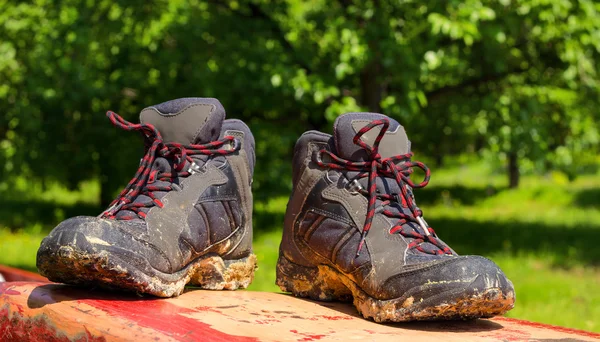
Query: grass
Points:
[567, 297]
[18, 249]
[544, 235]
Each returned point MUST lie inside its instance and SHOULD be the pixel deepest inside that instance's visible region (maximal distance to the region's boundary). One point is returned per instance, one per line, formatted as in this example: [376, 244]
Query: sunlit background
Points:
[500, 98]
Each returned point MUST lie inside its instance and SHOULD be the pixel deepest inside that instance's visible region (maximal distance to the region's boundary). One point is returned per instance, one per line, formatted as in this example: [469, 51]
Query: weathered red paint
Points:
[16, 327]
[12, 292]
[550, 327]
[336, 318]
[156, 314]
[307, 337]
[164, 317]
[15, 274]
[41, 312]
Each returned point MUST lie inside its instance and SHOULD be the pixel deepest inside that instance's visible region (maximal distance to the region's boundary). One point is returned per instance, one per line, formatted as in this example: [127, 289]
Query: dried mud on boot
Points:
[325, 283]
[108, 271]
[489, 303]
[214, 273]
[310, 282]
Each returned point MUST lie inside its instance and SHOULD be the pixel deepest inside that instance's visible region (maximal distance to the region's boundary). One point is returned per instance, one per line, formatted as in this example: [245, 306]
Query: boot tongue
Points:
[394, 142]
[186, 121]
[192, 120]
[346, 126]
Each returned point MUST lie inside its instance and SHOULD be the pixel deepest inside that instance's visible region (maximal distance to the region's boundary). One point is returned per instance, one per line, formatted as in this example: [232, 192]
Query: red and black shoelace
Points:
[142, 182]
[398, 167]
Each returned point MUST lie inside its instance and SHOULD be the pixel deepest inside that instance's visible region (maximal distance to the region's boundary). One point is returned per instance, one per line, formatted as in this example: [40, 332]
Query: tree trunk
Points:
[371, 88]
[439, 160]
[513, 170]
[372, 81]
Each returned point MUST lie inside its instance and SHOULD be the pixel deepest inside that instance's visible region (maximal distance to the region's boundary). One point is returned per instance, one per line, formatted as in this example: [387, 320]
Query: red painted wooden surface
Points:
[15, 274]
[51, 312]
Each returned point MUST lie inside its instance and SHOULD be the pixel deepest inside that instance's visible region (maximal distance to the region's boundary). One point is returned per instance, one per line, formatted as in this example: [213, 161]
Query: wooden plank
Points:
[52, 312]
[15, 274]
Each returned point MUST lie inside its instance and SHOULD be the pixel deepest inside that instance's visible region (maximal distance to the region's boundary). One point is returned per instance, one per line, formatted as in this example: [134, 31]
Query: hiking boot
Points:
[185, 217]
[353, 232]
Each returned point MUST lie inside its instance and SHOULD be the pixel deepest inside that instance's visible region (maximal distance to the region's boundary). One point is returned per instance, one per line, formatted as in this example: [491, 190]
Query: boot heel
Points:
[318, 283]
[214, 273]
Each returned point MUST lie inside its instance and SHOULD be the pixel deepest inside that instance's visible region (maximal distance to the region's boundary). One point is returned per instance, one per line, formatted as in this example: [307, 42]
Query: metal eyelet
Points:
[194, 168]
[236, 144]
[353, 187]
[316, 156]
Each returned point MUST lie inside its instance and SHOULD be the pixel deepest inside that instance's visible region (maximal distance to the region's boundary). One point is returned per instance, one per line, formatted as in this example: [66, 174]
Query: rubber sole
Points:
[107, 270]
[327, 284]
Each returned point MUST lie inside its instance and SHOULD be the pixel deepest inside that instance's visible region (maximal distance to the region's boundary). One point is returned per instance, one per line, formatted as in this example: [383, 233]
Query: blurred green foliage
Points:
[493, 89]
[515, 81]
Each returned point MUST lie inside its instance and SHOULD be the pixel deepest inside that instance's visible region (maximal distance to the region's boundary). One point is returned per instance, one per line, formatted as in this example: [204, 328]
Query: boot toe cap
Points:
[450, 279]
[91, 237]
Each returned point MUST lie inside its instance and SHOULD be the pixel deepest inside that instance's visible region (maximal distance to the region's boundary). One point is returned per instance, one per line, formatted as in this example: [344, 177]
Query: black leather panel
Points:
[346, 258]
[199, 240]
[227, 191]
[218, 220]
[326, 236]
[326, 226]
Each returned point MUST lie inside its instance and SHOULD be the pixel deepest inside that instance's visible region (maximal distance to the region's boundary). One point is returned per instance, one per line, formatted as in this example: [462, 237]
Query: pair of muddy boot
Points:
[352, 229]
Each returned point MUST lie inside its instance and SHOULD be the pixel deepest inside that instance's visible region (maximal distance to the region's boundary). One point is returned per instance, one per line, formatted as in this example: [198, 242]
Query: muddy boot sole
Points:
[327, 284]
[109, 270]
